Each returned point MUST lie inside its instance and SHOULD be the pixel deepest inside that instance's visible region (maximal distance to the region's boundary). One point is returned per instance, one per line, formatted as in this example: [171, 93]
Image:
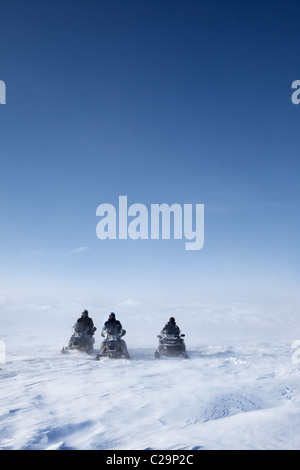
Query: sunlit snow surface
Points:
[239, 389]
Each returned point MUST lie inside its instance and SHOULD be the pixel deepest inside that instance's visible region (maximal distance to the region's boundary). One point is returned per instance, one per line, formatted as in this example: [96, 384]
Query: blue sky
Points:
[162, 101]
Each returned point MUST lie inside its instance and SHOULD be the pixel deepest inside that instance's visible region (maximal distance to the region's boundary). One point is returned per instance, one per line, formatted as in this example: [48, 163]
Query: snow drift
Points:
[238, 390]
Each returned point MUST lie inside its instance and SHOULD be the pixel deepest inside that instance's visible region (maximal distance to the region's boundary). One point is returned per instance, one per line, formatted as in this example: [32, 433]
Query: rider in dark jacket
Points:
[113, 324]
[171, 328]
[88, 322]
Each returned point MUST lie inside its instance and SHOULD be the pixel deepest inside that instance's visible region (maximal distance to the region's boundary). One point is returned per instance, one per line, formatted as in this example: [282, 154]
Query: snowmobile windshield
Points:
[171, 330]
[112, 330]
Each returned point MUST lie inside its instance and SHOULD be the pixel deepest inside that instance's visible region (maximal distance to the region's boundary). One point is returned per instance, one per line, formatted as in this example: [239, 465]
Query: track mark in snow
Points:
[230, 405]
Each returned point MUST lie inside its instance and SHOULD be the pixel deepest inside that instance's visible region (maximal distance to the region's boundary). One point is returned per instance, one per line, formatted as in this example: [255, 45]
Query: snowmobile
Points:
[79, 340]
[111, 346]
[171, 345]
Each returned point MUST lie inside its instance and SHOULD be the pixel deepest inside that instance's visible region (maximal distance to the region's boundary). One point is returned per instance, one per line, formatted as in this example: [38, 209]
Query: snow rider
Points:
[88, 322]
[114, 325]
[171, 328]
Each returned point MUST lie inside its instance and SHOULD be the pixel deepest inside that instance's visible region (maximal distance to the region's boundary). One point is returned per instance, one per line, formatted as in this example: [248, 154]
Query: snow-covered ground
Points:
[240, 389]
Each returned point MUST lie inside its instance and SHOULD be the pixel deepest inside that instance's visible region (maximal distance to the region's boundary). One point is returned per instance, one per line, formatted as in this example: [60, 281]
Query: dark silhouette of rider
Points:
[171, 328]
[86, 320]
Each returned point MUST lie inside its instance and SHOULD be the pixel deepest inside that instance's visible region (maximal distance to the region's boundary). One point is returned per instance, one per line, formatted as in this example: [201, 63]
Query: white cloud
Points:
[78, 250]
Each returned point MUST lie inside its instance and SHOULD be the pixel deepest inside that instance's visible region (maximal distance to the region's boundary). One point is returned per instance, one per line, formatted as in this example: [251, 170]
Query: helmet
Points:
[85, 313]
[112, 316]
[172, 320]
